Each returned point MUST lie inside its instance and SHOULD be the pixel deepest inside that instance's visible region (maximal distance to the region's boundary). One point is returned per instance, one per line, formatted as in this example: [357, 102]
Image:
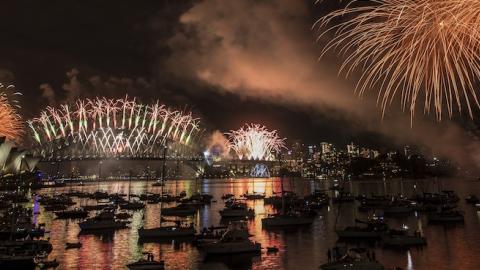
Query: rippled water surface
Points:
[454, 247]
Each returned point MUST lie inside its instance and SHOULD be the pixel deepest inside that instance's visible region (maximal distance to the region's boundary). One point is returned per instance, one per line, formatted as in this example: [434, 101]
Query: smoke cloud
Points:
[265, 49]
[48, 93]
[218, 145]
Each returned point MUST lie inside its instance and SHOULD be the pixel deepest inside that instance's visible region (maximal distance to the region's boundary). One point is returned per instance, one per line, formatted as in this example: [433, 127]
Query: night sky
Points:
[231, 62]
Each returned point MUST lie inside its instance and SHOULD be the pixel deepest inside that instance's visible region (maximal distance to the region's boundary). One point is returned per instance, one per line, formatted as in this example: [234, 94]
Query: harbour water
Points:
[449, 247]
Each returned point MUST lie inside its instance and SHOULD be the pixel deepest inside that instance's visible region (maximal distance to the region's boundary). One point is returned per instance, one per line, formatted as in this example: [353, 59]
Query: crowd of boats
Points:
[24, 246]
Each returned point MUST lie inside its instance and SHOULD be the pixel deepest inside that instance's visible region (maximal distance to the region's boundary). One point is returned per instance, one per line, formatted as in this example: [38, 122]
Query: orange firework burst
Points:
[422, 50]
[11, 125]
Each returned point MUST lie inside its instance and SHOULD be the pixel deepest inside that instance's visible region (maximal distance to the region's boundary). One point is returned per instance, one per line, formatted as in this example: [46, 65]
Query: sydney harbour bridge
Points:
[113, 137]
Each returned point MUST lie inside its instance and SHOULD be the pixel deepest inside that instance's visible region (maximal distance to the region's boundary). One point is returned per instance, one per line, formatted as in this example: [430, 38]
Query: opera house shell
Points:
[13, 160]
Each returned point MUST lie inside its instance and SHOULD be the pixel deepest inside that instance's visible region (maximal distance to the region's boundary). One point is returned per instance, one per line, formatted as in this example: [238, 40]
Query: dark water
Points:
[456, 247]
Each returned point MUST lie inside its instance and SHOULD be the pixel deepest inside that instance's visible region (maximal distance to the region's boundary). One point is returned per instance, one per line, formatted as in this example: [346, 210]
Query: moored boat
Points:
[178, 230]
[235, 240]
[103, 221]
[446, 215]
[148, 264]
[74, 213]
[179, 210]
[288, 219]
[237, 209]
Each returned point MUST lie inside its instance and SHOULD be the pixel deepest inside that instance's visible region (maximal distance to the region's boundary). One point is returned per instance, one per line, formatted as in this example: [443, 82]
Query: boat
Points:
[317, 199]
[99, 207]
[352, 264]
[373, 229]
[343, 197]
[398, 207]
[123, 215]
[446, 217]
[73, 245]
[48, 264]
[227, 196]
[74, 213]
[254, 196]
[237, 209]
[272, 249]
[178, 230]
[234, 241]
[17, 262]
[179, 210]
[158, 183]
[33, 246]
[352, 259]
[401, 239]
[132, 206]
[472, 199]
[447, 196]
[55, 207]
[103, 221]
[148, 264]
[288, 219]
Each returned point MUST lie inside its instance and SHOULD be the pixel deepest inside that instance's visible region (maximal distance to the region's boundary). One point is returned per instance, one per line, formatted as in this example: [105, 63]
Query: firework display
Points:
[425, 51]
[113, 127]
[255, 142]
[11, 126]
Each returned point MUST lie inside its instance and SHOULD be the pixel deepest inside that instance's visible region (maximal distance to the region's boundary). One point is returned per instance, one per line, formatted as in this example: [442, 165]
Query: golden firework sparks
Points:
[422, 50]
[11, 125]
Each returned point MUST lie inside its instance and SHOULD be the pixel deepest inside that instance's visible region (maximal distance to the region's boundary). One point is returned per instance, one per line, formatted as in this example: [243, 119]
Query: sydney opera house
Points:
[13, 160]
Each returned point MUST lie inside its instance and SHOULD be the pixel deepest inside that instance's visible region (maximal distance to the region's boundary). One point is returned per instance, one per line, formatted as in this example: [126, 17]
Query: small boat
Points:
[472, 199]
[352, 265]
[254, 196]
[400, 239]
[48, 264]
[74, 213]
[179, 210]
[352, 259]
[343, 198]
[227, 196]
[148, 264]
[158, 184]
[272, 249]
[372, 229]
[73, 245]
[237, 209]
[446, 215]
[103, 221]
[397, 209]
[123, 215]
[234, 241]
[289, 219]
[98, 207]
[178, 230]
[132, 206]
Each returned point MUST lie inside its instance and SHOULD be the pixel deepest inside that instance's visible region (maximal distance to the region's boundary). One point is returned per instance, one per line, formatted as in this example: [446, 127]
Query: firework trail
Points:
[255, 142]
[114, 127]
[11, 125]
[423, 50]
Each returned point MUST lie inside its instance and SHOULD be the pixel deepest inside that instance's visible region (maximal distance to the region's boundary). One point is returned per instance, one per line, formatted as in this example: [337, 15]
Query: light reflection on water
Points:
[448, 247]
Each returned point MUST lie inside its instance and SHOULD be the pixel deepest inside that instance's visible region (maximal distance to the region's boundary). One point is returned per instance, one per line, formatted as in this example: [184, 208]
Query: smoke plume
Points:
[218, 145]
[48, 93]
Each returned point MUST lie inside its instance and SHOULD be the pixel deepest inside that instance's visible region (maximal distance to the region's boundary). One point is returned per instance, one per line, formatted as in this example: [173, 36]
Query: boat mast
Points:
[283, 197]
[165, 147]
[129, 183]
